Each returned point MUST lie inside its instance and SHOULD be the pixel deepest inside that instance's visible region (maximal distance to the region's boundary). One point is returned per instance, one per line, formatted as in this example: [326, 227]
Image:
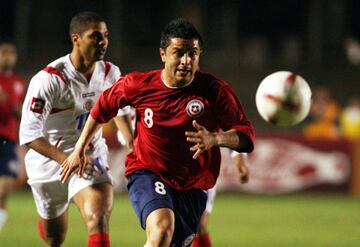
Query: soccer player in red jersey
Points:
[179, 113]
[12, 89]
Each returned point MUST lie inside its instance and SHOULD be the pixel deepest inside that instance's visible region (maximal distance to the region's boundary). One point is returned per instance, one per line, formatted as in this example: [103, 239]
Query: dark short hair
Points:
[80, 21]
[6, 40]
[179, 28]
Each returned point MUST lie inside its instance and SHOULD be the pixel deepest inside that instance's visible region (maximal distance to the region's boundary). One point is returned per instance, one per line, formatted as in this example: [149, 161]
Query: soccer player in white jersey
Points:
[55, 109]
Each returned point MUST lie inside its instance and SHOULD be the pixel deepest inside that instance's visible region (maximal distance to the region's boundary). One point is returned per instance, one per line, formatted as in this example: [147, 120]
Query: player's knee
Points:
[161, 233]
[97, 221]
[5, 189]
[160, 237]
[54, 240]
[202, 229]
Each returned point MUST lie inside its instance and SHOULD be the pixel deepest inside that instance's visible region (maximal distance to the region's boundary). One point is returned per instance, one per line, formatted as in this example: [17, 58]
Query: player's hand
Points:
[92, 169]
[74, 162]
[129, 145]
[202, 138]
[240, 162]
[244, 173]
[126, 140]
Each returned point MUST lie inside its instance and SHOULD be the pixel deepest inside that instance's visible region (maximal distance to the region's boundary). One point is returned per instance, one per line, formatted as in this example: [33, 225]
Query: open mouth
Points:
[101, 51]
[183, 71]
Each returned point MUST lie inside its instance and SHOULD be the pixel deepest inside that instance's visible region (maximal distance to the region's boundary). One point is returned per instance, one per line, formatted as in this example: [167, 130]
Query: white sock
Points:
[3, 216]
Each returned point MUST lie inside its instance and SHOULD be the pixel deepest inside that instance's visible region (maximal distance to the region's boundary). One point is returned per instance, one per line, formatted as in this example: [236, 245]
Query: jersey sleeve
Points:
[37, 106]
[112, 77]
[124, 111]
[110, 101]
[231, 115]
[112, 74]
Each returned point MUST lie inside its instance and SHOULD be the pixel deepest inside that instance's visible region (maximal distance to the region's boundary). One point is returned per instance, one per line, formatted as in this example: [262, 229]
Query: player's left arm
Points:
[123, 123]
[238, 132]
[122, 120]
[204, 139]
[240, 162]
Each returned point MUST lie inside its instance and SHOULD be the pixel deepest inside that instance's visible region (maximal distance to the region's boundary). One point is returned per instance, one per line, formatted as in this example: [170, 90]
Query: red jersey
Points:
[12, 89]
[163, 114]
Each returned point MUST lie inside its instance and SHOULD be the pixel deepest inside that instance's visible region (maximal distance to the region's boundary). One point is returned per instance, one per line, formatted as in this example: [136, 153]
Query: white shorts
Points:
[52, 197]
[210, 200]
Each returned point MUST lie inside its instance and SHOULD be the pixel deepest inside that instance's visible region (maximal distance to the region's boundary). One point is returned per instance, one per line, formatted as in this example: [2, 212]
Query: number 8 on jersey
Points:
[148, 119]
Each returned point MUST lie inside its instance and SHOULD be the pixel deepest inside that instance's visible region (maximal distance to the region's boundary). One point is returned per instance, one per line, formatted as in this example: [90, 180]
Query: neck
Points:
[5, 71]
[81, 64]
[167, 80]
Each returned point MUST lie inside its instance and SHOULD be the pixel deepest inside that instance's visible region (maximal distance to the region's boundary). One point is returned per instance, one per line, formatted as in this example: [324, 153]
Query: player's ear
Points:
[162, 55]
[74, 37]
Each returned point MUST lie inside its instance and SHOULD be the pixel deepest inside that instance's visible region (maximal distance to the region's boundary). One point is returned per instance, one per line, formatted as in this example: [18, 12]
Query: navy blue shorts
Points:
[8, 158]
[148, 192]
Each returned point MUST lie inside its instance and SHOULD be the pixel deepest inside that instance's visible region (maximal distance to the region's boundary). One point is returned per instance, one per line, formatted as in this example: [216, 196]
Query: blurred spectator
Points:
[350, 119]
[12, 89]
[323, 117]
[352, 50]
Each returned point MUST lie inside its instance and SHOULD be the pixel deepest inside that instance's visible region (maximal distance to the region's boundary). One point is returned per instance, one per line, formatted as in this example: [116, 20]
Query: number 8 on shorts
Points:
[160, 188]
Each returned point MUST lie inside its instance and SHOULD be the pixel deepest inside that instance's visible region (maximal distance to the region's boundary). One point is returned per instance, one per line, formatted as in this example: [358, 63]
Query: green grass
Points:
[238, 220]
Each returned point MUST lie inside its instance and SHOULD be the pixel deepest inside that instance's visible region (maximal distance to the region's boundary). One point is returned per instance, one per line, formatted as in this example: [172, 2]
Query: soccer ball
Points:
[283, 98]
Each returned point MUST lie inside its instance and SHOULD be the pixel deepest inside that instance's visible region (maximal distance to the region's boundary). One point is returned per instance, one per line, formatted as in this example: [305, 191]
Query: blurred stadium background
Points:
[305, 180]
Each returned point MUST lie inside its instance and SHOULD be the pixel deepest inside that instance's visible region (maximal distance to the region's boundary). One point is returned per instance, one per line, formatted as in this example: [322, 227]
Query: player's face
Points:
[8, 57]
[181, 59]
[93, 42]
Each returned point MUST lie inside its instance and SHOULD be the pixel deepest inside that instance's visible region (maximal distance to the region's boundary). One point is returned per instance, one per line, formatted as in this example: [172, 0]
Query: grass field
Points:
[238, 220]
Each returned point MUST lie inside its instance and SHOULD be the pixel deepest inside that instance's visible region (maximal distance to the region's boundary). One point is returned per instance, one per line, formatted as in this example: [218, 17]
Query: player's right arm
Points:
[43, 90]
[42, 146]
[77, 158]
[106, 108]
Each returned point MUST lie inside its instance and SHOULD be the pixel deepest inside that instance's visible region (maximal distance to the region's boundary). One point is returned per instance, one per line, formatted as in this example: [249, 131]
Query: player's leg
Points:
[153, 203]
[189, 206]
[53, 231]
[95, 203]
[160, 227]
[203, 229]
[93, 196]
[21, 179]
[51, 201]
[8, 174]
[202, 238]
[6, 185]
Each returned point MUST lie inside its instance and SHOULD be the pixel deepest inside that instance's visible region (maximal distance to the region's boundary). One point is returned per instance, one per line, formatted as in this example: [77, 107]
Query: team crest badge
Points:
[195, 108]
[88, 105]
[188, 240]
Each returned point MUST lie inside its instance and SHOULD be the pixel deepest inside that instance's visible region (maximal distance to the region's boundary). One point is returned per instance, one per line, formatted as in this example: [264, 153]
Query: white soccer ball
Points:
[283, 98]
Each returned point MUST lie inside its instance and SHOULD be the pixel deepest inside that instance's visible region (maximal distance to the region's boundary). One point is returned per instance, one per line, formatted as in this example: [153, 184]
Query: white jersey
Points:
[56, 107]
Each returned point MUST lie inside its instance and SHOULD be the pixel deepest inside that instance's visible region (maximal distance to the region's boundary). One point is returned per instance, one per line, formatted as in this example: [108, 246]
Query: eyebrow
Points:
[97, 31]
[185, 48]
